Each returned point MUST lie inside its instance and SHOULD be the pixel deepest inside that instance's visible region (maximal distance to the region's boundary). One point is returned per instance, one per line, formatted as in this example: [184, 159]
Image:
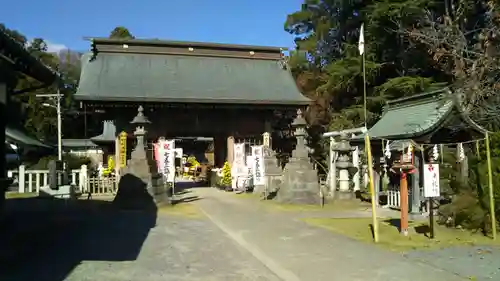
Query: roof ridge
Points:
[418, 98]
[160, 42]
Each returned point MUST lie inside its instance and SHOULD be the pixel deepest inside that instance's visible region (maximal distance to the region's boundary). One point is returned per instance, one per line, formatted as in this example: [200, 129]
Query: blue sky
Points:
[66, 22]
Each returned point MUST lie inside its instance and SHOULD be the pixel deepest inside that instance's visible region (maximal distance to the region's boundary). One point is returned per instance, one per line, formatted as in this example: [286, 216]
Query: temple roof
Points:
[186, 72]
[418, 116]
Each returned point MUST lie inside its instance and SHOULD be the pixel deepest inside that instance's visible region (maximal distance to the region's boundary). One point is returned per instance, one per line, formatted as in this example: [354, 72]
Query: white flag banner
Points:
[361, 44]
[258, 165]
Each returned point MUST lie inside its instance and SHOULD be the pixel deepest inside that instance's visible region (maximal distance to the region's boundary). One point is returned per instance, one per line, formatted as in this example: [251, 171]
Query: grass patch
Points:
[332, 205]
[389, 237]
[16, 195]
[337, 205]
[187, 210]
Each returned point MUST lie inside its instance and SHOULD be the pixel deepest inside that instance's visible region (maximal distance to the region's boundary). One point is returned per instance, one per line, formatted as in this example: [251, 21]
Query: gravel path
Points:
[476, 263]
[129, 246]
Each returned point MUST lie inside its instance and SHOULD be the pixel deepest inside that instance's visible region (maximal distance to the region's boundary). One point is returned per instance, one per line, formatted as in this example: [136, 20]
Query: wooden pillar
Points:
[404, 203]
[230, 149]
[220, 150]
[3, 164]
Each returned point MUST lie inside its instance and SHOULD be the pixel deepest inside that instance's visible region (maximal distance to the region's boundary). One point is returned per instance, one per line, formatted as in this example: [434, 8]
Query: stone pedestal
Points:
[272, 173]
[300, 180]
[344, 184]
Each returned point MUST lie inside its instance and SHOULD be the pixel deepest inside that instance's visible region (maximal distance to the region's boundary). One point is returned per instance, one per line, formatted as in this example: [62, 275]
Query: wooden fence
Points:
[32, 180]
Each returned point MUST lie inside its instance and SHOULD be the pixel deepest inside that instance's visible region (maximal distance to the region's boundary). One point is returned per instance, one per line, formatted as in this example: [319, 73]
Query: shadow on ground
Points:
[45, 239]
[183, 194]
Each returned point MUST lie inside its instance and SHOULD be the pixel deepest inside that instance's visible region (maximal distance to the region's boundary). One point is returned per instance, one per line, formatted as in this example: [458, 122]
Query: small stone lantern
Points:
[346, 168]
[404, 166]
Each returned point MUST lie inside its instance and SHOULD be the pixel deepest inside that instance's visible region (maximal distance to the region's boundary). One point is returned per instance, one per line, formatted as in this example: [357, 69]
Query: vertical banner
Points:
[239, 154]
[258, 165]
[123, 150]
[238, 169]
[159, 155]
[431, 180]
[168, 159]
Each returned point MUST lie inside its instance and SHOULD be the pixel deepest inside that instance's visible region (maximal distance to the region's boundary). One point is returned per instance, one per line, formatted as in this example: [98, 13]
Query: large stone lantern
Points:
[300, 180]
[345, 166]
[140, 183]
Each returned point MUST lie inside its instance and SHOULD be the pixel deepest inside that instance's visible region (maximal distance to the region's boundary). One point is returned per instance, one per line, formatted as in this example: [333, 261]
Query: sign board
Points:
[266, 139]
[258, 165]
[123, 150]
[431, 180]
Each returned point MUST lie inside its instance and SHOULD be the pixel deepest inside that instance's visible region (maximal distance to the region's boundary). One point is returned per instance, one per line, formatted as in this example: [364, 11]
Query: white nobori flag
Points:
[361, 44]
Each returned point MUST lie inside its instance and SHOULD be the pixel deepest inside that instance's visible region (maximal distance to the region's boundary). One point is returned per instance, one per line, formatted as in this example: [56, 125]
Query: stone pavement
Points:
[295, 251]
[237, 240]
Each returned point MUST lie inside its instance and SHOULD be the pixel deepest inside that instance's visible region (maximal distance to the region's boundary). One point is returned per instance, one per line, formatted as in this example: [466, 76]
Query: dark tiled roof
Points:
[187, 79]
[19, 136]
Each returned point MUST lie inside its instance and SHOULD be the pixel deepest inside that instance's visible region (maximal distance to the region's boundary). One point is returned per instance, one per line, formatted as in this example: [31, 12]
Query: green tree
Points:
[30, 112]
[121, 32]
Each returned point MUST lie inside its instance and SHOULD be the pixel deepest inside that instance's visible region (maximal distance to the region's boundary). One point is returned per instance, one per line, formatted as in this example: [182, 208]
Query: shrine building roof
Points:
[413, 116]
[419, 116]
[186, 72]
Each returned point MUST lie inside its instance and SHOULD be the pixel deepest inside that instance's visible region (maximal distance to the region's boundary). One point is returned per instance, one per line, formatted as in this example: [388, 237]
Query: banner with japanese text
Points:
[431, 180]
[123, 150]
[238, 168]
[166, 161]
[258, 165]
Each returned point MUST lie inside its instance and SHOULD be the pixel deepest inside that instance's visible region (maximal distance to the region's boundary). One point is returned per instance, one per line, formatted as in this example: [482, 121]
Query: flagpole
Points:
[364, 86]
[361, 47]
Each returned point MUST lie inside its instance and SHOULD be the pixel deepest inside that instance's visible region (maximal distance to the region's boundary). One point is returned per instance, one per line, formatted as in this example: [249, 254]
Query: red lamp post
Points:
[404, 167]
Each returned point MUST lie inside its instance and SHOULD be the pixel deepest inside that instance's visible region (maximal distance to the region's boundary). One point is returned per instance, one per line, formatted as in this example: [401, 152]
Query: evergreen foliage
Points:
[226, 175]
[411, 46]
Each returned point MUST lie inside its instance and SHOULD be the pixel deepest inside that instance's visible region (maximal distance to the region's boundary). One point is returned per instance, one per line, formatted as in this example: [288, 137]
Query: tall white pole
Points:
[59, 126]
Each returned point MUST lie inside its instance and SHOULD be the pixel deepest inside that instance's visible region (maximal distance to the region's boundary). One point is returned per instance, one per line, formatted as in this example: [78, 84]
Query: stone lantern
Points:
[404, 166]
[300, 180]
[346, 168]
[140, 183]
[140, 132]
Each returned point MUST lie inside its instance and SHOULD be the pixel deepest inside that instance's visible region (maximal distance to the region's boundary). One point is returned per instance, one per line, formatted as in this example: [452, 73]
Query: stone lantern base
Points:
[300, 184]
[344, 195]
